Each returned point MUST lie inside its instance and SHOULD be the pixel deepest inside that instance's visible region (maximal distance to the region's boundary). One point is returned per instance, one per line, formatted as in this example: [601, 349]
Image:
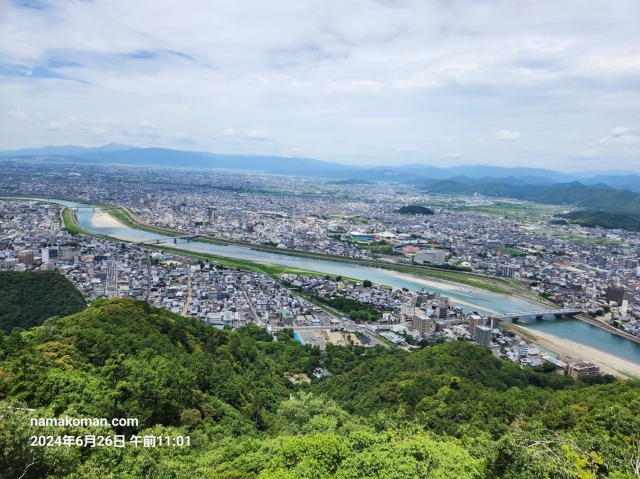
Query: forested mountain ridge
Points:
[449, 410]
[28, 298]
[598, 196]
[603, 219]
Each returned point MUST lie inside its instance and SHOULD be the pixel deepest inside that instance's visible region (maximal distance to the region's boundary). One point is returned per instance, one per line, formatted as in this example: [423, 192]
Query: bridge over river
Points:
[167, 239]
[558, 313]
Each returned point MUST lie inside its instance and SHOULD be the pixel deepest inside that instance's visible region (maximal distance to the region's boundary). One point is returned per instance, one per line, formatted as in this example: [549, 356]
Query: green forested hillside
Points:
[599, 196]
[28, 298]
[447, 411]
[604, 219]
[415, 210]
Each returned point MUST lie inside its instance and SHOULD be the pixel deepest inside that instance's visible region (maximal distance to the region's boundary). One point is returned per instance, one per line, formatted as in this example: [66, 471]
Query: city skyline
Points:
[365, 83]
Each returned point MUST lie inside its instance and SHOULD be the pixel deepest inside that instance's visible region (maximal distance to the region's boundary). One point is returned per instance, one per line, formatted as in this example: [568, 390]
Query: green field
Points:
[579, 238]
[357, 220]
[70, 224]
[511, 251]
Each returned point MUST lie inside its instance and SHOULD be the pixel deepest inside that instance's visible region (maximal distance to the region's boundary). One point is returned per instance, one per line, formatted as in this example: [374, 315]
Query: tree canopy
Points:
[28, 298]
[415, 210]
[448, 410]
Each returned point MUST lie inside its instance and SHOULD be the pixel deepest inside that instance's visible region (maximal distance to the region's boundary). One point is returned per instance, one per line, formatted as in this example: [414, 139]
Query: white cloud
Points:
[506, 135]
[407, 150]
[375, 74]
[19, 114]
[621, 135]
[257, 135]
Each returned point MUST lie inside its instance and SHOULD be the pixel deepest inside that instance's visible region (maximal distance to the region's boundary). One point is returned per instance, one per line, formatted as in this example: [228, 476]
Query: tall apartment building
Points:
[424, 324]
[483, 335]
[111, 287]
[10, 263]
[615, 293]
[475, 320]
[407, 310]
[212, 213]
[26, 257]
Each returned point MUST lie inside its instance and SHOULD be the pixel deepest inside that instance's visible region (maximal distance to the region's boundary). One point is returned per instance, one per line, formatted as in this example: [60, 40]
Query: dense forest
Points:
[446, 411]
[415, 210]
[27, 299]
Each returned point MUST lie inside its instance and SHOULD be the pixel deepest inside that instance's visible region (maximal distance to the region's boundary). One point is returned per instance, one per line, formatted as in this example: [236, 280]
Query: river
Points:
[468, 297]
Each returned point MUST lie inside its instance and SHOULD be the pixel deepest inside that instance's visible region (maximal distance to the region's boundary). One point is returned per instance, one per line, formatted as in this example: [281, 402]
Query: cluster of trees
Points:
[28, 298]
[603, 219]
[415, 210]
[451, 267]
[449, 410]
[355, 309]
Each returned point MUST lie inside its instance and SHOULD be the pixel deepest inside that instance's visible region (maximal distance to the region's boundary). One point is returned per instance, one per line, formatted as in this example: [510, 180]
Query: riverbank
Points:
[494, 285]
[447, 286]
[127, 218]
[607, 327]
[275, 270]
[104, 220]
[70, 222]
[608, 363]
[461, 295]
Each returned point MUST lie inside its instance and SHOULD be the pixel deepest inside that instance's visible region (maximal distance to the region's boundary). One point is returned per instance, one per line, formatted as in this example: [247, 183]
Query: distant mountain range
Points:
[610, 190]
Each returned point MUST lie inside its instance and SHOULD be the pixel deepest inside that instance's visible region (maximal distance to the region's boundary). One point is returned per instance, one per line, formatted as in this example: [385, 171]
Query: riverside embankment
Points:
[570, 329]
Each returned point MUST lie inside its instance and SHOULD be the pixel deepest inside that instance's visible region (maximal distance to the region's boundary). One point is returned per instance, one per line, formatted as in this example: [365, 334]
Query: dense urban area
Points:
[253, 370]
[591, 269]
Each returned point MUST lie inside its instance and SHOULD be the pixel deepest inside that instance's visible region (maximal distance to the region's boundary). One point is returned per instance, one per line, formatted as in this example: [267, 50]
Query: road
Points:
[188, 301]
[253, 310]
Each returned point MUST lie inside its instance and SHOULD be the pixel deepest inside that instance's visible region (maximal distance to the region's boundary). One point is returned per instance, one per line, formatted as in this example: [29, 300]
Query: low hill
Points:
[178, 377]
[448, 410]
[594, 196]
[603, 219]
[500, 189]
[28, 298]
[415, 210]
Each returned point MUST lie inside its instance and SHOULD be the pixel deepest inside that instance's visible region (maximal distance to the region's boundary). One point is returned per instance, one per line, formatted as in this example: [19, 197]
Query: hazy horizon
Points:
[604, 171]
[379, 83]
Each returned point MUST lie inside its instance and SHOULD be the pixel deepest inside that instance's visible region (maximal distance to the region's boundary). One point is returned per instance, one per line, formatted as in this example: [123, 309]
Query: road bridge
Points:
[558, 313]
[167, 239]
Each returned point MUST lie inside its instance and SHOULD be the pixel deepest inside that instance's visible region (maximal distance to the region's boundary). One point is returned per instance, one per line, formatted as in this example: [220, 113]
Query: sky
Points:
[538, 83]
